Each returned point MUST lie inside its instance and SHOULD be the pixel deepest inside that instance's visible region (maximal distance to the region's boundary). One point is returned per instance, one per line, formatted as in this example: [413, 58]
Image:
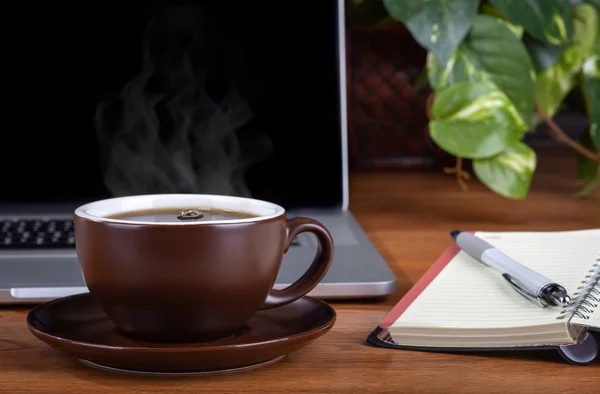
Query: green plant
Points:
[497, 69]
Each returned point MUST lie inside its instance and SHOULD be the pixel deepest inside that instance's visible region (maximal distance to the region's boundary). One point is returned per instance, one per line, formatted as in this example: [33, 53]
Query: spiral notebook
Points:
[462, 305]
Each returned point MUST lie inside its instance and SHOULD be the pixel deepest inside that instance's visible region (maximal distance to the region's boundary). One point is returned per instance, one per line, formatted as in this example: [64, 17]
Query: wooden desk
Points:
[408, 217]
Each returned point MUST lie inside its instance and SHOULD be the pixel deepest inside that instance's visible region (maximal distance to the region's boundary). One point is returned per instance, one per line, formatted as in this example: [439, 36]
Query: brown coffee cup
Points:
[190, 279]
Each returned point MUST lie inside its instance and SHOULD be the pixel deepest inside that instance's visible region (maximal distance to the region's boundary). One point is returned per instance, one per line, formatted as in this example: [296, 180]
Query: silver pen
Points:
[528, 283]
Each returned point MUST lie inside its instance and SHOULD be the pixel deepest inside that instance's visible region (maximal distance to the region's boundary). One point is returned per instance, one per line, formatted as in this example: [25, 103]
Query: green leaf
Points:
[474, 120]
[490, 52]
[548, 21]
[508, 173]
[595, 3]
[591, 88]
[589, 187]
[585, 32]
[437, 25]
[585, 29]
[554, 83]
[516, 29]
[487, 9]
[588, 170]
[543, 54]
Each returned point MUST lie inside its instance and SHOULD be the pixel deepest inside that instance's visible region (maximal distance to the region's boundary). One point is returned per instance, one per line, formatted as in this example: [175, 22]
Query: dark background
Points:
[61, 60]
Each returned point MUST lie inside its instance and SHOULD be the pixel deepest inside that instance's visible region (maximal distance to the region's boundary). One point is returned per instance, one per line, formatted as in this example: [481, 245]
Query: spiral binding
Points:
[587, 297]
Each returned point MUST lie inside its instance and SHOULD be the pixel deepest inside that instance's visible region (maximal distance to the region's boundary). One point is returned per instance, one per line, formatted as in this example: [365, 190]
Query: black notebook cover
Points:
[582, 353]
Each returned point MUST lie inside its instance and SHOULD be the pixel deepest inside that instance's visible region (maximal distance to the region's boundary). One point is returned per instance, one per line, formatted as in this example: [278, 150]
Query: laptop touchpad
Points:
[46, 271]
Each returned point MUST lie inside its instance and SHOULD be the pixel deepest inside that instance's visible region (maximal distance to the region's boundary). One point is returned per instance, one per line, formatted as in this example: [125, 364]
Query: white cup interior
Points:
[102, 210]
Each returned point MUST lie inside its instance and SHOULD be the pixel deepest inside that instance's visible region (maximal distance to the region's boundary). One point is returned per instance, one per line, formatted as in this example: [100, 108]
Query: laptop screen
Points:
[221, 97]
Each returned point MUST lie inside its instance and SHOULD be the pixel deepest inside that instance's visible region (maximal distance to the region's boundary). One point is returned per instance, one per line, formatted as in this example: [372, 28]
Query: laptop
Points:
[185, 97]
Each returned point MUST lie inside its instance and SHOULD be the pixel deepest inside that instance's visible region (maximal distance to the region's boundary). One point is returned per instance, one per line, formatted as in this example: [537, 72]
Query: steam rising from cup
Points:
[164, 133]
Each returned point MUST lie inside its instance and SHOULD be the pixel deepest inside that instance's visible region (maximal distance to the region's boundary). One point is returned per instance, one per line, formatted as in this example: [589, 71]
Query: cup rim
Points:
[93, 210]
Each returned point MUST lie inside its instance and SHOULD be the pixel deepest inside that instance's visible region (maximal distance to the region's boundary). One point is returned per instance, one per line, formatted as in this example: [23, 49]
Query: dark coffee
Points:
[182, 215]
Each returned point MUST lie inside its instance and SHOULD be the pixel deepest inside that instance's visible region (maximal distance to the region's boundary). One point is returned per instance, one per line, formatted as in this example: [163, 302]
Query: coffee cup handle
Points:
[317, 269]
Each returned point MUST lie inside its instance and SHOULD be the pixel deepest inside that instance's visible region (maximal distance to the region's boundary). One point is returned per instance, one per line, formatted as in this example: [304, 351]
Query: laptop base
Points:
[357, 270]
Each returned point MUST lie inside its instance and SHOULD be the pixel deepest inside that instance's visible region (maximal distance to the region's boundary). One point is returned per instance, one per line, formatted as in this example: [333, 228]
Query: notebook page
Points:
[467, 294]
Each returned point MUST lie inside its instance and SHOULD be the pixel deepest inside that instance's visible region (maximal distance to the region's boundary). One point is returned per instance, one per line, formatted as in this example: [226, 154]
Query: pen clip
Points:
[522, 291]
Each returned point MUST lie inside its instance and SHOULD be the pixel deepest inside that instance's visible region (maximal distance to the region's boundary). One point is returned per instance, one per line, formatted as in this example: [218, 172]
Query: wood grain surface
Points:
[407, 216]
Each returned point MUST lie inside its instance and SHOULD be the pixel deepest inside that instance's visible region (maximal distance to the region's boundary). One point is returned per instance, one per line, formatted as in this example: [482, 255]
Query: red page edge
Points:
[421, 284]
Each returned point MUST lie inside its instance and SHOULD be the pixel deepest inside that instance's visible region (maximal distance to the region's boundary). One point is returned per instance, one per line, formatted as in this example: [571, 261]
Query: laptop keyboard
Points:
[36, 234]
[43, 234]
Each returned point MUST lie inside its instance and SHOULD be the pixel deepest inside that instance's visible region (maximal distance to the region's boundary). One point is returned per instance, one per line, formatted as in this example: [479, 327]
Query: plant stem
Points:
[461, 176]
[557, 133]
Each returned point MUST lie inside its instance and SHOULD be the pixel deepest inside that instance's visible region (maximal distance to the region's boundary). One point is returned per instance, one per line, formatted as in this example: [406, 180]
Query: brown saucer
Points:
[77, 326]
